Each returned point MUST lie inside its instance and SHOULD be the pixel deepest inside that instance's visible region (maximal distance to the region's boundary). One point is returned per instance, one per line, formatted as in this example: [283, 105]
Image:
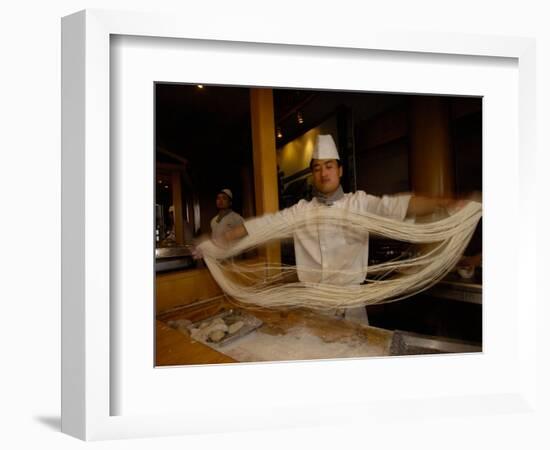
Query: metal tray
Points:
[408, 343]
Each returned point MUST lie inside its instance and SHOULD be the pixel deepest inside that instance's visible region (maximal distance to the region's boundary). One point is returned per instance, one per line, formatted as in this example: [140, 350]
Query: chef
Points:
[331, 253]
[226, 219]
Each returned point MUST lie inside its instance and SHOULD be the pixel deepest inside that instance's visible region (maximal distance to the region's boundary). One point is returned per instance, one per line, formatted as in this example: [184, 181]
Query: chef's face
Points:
[326, 175]
[223, 201]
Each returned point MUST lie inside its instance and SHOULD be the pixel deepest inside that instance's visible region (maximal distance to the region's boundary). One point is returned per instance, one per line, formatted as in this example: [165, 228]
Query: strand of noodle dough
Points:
[449, 237]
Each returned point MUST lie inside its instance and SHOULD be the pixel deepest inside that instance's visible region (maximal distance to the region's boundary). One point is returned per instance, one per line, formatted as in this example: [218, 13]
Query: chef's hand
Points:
[475, 196]
[208, 244]
[196, 249]
[469, 261]
[196, 252]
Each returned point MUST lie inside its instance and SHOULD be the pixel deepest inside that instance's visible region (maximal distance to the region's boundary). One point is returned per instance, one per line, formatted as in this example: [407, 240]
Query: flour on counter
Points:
[297, 344]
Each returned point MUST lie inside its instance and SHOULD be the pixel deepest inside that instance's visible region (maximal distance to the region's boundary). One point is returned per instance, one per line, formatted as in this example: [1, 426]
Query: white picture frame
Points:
[88, 386]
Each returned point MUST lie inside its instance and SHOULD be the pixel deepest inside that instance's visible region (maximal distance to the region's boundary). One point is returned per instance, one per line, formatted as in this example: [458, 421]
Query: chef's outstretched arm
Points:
[232, 234]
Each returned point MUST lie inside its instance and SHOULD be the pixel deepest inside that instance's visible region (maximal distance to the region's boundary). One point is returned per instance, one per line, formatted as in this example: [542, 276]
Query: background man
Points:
[226, 219]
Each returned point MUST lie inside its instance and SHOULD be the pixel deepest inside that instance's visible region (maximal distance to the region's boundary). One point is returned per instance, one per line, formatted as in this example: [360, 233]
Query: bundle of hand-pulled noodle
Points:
[395, 280]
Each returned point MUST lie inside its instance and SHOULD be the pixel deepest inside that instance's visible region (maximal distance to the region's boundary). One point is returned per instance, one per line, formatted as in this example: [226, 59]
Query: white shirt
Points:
[335, 254]
[228, 221]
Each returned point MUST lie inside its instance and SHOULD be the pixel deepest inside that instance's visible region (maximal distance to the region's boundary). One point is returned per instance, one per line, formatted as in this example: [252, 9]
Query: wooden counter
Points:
[184, 287]
[174, 348]
[282, 330]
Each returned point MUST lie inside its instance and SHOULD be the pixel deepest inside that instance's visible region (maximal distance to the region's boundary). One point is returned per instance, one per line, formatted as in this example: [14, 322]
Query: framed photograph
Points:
[142, 167]
[209, 179]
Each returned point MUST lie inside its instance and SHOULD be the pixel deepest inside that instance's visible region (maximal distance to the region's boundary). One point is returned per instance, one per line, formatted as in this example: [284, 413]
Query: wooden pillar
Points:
[248, 192]
[265, 160]
[431, 158]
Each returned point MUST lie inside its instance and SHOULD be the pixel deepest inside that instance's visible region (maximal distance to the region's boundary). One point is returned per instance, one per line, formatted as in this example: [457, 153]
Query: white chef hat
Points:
[228, 193]
[325, 148]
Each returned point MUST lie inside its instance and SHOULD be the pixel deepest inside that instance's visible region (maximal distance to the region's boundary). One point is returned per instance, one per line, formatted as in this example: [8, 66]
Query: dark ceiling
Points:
[213, 123]
[199, 123]
[209, 129]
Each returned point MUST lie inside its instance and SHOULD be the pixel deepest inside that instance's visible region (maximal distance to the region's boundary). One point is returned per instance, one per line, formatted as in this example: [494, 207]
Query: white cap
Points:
[325, 148]
[228, 193]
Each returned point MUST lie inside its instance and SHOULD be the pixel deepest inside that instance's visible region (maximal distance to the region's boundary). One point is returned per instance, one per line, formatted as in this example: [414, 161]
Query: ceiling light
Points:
[279, 133]
[299, 117]
[200, 86]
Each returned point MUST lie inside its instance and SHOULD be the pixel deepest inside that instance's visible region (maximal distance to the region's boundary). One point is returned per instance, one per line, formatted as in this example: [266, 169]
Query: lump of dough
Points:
[183, 329]
[216, 327]
[216, 335]
[197, 334]
[235, 327]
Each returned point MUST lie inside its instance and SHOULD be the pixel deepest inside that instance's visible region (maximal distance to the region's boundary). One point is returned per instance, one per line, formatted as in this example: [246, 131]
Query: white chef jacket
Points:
[332, 254]
[228, 221]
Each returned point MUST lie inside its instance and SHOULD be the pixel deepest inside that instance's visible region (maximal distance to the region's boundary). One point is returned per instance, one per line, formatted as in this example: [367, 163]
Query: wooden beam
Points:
[431, 157]
[264, 150]
[265, 160]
